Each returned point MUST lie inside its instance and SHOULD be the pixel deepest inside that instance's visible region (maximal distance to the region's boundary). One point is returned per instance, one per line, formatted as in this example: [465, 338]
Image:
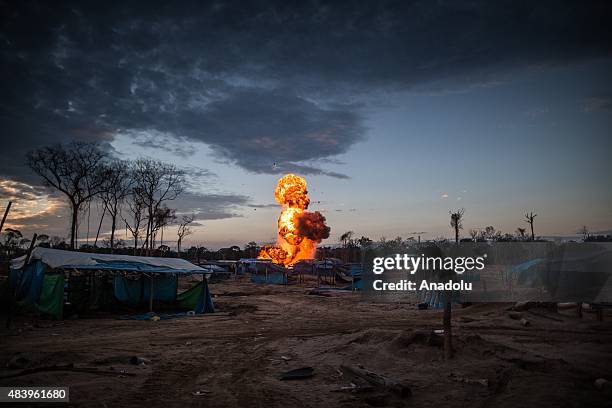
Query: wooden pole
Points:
[151, 288]
[8, 208]
[30, 249]
[100, 226]
[446, 320]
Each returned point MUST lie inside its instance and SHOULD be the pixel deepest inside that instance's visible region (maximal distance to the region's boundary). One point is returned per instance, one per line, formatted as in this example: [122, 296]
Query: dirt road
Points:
[234, 358]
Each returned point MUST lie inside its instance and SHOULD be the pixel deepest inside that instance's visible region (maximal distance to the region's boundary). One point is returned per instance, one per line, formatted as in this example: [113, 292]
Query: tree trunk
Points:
[100, 226]
[151, 244]
[448, 336]
[135, 244]
[112, 237]
[457, 235]
[146, 241]
[73, 226]
[532, 234]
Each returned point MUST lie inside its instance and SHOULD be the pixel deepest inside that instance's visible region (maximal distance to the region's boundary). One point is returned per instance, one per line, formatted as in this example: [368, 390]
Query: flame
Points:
[299, 231]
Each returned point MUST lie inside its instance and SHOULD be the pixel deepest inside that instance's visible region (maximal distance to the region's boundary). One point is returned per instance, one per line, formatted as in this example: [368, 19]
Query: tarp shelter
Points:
[263, 271]
[53, 277]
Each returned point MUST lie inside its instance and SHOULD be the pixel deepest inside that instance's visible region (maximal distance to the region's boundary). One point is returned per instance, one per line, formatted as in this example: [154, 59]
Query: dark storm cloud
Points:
[271, 205]
[210, 206]
[269, 87]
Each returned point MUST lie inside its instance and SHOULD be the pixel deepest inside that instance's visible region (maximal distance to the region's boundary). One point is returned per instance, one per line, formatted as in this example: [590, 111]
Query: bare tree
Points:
[183, 230]
[136, 209]
[42, 239]
[529, 217]
[118, 187]
[456, 222]
[521, 232]
[163, 217]
[490, 233]
[12, 237]
[473, 234]
[76, 169]
[155, 182]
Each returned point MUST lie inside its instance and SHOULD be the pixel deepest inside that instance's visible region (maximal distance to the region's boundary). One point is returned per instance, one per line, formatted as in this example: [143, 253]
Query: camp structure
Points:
[49, 280]
[263, 271]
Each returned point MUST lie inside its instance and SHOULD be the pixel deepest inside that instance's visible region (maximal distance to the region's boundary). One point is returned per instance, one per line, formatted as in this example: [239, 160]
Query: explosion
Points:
[299, 230]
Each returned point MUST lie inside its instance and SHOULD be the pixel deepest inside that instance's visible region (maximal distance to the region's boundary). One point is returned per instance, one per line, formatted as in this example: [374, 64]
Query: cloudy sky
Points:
[395, 112]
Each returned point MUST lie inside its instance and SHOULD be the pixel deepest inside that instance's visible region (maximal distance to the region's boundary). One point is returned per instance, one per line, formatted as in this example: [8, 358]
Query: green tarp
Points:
[51, 299]
[197, 298]
[190, 298]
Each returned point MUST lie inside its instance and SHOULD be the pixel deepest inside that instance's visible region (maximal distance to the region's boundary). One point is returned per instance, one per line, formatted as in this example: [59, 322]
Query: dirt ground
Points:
[234, 358]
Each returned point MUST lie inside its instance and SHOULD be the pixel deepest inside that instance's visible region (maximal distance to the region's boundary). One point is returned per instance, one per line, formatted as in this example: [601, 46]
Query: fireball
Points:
[299, 231]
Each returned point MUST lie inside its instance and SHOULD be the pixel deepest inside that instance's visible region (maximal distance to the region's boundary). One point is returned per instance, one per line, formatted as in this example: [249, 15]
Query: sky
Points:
[394, 112]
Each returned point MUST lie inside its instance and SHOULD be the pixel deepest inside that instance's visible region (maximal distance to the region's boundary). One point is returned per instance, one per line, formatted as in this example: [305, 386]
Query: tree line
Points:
[132, 193]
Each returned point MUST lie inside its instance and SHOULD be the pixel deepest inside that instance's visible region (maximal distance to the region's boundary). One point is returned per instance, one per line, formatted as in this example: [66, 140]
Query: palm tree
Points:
[346, 238]
[529, 217]
[456, 222]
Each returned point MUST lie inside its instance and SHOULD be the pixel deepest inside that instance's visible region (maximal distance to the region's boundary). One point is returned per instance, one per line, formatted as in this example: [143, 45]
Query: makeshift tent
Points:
[263, 271]
[88, 280]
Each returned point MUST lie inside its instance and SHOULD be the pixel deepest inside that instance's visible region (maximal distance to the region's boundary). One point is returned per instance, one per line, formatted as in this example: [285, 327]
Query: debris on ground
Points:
[135, 360]
[200, 393]
[515, 315]
[377, 380]
[18, 361]
[602, 383]
[297, 374]
[479, 381]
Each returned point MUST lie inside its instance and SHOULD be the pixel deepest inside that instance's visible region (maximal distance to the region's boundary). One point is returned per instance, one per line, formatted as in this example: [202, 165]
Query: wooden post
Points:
[8, 208]
[151, 288]
[446, 320]
[30, 249]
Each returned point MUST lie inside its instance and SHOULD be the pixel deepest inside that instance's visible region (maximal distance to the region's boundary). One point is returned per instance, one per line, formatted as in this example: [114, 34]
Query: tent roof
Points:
[56, 258]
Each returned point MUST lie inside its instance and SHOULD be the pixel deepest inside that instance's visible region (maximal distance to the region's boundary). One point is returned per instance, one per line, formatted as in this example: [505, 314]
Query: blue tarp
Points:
[27, 284]
[205, 303]
[275, 278]
[129, 266]
[135, 292]
[354, 269]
